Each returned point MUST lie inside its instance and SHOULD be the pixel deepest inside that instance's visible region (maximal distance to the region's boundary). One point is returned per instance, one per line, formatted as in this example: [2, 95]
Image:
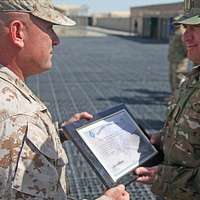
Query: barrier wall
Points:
[77, 30]
[115, 23]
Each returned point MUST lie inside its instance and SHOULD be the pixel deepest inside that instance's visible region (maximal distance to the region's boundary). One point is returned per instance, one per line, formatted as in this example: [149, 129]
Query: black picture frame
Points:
[78, 131]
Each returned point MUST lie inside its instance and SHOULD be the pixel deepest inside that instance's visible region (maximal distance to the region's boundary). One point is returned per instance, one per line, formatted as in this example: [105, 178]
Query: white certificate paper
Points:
[117, 142]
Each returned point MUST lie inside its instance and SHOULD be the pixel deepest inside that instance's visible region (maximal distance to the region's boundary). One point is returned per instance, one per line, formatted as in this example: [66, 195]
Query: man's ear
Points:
[16, 33]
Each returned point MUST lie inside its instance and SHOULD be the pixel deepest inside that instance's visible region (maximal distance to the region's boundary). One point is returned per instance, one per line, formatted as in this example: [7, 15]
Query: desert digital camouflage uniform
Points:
[177, 57]
[32, 160]
[179, 176]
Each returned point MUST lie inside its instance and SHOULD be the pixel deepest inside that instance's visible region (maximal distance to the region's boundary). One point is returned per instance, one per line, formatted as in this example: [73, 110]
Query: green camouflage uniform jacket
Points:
[32, 160]
[179, 176]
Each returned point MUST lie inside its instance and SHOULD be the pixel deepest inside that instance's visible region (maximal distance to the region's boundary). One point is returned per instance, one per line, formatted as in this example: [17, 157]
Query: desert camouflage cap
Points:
[43, 9]
[191, 13]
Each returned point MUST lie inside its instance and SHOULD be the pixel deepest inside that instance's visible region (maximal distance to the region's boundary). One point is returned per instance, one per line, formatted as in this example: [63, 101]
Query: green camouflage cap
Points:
[43, 9]
[191, 13]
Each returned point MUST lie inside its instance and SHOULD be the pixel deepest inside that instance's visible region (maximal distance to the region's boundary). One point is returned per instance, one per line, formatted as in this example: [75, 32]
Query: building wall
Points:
[81, 24]
[77, 13]
[147, 21]
[116, 23]
[155, 21]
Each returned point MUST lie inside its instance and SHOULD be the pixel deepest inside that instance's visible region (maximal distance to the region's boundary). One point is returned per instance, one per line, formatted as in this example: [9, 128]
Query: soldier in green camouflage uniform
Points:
[178, 177]
[32, 160]
[177, 57]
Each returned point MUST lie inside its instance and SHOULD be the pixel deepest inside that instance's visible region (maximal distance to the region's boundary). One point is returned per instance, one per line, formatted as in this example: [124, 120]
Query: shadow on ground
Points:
[147, 97]
[141, 40]
[143, 97]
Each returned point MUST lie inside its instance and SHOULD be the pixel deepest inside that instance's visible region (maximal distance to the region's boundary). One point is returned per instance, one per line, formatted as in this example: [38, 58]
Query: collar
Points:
[192, 77]
[9, 76]
[195, 73]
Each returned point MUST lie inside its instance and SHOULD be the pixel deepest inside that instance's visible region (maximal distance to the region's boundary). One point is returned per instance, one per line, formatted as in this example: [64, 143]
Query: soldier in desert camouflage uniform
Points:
[32, 160]
[178, 177]
[177, 57]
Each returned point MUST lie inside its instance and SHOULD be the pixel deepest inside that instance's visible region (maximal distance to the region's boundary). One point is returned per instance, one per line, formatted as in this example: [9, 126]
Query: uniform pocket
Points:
[175, 182]
[42, 141]
[36, 173]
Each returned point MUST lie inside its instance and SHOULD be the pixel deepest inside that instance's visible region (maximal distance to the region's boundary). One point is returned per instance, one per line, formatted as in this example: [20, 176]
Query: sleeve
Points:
[12, 133]
[60, 131]
[29, 163]
[36, 172]
[177, 182]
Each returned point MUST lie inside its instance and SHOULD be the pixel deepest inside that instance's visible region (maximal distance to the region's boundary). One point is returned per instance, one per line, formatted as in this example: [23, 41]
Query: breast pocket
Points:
[36, 172]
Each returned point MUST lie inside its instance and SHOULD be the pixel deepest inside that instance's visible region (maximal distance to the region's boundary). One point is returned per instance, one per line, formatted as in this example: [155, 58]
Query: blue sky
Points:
[112, 5]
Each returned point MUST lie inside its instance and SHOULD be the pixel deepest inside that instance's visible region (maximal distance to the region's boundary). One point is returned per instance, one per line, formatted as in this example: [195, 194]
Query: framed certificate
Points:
[112, 143]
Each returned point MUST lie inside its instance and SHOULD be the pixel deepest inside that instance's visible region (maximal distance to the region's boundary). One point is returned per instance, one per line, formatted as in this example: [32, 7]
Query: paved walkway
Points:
[93, 73]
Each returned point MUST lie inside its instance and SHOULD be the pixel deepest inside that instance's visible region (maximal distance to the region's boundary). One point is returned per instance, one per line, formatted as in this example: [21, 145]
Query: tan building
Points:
[154, 21]
[116, 20]
[75, 12]
[78, 13]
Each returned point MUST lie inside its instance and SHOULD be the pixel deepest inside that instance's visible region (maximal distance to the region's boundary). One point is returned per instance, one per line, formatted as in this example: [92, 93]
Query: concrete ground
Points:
[88, 31]
[93, 73]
